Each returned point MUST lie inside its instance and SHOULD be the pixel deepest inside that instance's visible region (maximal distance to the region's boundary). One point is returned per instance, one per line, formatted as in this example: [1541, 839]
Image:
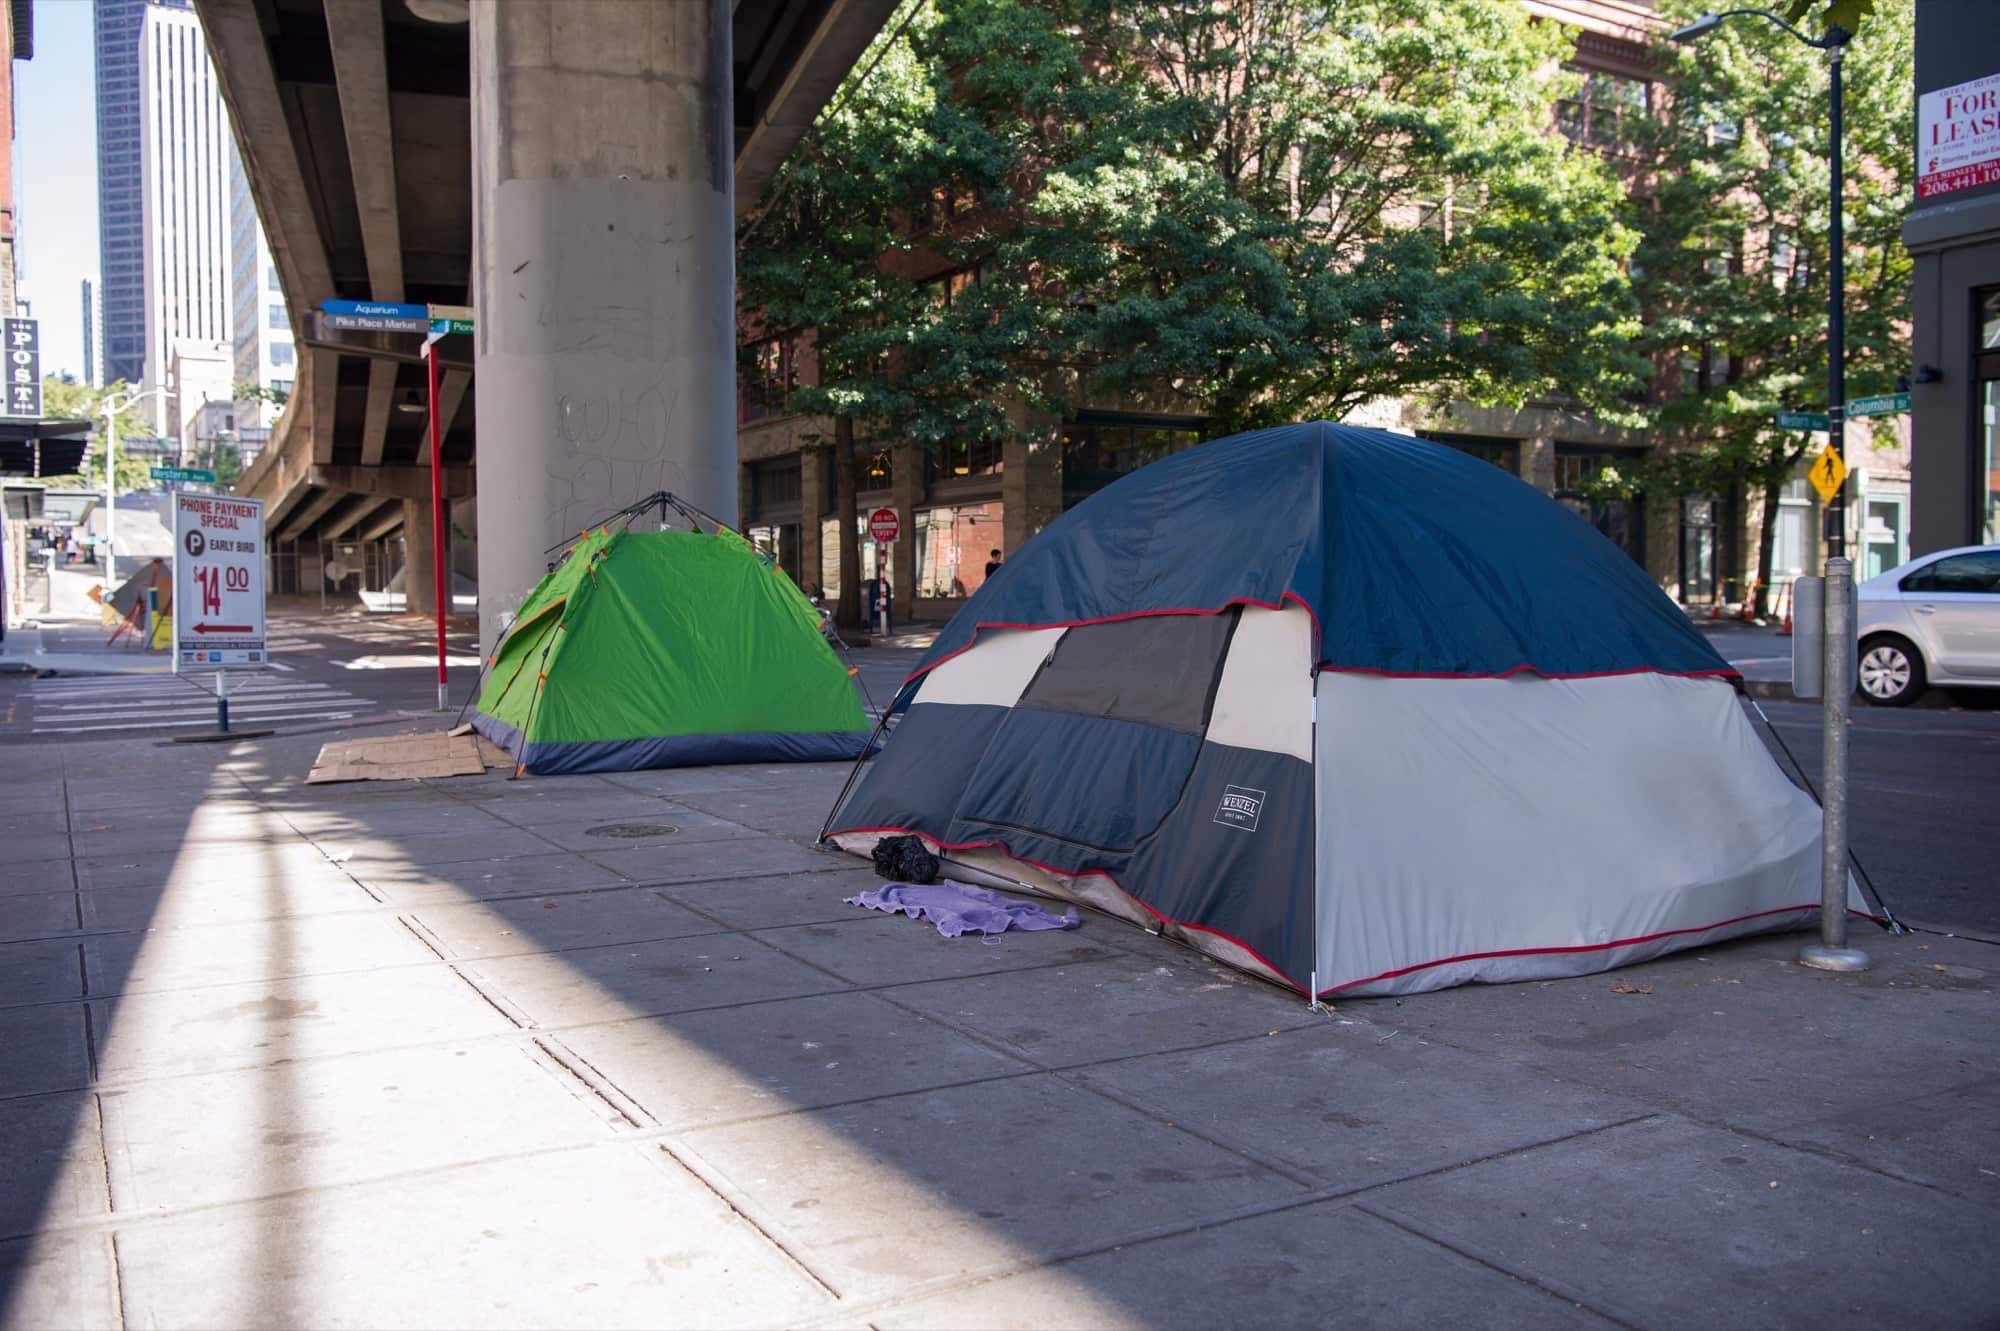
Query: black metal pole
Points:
[1836, 314]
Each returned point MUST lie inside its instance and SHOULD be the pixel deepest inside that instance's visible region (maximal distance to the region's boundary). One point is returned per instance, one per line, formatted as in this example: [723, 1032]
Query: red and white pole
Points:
[438, 579]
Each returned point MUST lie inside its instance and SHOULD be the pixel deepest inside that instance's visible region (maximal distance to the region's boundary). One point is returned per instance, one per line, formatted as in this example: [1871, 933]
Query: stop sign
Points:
[883, 526]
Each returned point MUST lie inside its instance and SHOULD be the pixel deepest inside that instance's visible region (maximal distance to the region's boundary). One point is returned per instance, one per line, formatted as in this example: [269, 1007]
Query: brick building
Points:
[957, 505]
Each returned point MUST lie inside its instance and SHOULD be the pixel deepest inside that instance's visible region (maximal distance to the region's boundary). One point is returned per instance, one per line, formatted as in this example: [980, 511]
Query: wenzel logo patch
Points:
[1240, 807]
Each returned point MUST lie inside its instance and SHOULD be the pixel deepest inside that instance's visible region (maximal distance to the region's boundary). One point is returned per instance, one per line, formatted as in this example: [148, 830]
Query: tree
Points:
[1255, 211]
[1732, 267]
[67, 399]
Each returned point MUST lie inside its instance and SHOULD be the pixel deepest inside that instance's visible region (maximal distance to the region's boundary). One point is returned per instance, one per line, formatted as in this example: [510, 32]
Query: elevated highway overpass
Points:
[573, 171]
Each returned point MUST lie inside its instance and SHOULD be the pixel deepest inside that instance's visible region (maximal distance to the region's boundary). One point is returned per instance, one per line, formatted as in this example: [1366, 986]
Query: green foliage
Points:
[250, 391]
[1733, 265]
[1256, 211]
[67, 399]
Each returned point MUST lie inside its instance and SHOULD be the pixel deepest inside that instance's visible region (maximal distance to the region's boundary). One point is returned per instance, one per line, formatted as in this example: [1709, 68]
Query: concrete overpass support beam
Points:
[603, 271]
[419, 582]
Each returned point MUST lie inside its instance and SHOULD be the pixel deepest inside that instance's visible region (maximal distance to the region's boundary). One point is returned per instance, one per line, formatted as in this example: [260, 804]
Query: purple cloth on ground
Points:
[960, 908]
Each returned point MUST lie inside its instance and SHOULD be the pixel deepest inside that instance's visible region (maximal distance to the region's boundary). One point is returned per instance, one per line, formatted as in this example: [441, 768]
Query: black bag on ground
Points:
[903, 859]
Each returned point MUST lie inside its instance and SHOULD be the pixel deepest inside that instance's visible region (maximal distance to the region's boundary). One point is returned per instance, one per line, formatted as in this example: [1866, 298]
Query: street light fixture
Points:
[1831, 952]
[113, 404]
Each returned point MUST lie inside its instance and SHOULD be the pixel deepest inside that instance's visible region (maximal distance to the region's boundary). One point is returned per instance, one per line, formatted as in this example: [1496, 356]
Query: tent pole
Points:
[1314, 1004]
[854, 772]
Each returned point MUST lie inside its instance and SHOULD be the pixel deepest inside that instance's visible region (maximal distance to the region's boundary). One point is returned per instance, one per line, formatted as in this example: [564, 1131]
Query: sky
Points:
[55, 177]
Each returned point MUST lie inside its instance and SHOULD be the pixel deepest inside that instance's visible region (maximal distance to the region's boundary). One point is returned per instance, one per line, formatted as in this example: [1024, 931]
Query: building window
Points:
[962, 461]
[766, 381]
[829, 556]
[775, 484]
[1098, 450]
[277, 320]
[945, 290]
[271, 280]
[281, 353]
[1605, 109]
[1622, 521]
[1499, 450]
[779, 543]
[954, 544]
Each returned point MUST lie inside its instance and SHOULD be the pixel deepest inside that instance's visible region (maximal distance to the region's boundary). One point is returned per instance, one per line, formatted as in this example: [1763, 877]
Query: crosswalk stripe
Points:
[166, 702]
[191, 721]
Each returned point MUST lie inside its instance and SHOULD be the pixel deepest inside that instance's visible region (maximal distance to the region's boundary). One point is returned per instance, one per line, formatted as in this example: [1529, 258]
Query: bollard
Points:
[1832, 953]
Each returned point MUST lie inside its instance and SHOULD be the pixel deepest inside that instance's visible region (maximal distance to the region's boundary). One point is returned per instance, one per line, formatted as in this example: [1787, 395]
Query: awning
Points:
[42, 447]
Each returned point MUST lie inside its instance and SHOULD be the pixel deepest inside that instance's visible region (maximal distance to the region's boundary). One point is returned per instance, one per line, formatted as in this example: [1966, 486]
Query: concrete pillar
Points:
[1030, 484]
[906, 485]
[603, 234]
[1538, 461]
[419, 581]
[814, 465]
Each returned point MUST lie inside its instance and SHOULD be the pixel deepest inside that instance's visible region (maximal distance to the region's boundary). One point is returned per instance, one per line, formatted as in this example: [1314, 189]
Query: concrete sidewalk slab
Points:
[873, 948]
[1712, 1221]
[524, 926]
[972, 1180]
[1312, 1266]
[775, 1058]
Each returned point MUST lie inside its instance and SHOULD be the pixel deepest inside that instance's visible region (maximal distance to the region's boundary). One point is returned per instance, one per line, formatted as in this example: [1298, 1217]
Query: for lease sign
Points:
[218, 581]
[1958, 137]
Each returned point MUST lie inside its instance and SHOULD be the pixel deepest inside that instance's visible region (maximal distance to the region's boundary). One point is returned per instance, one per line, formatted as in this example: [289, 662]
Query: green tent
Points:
[667, 649]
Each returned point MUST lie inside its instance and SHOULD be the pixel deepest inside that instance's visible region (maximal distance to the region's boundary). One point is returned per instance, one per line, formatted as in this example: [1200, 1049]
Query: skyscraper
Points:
[121, 263]
[264, 352]
[185, 147]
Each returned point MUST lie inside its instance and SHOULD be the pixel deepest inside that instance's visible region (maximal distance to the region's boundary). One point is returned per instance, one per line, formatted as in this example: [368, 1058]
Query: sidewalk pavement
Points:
[611, 1050]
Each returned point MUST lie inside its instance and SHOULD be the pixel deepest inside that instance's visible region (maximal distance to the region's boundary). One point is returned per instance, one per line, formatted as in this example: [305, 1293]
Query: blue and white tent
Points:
[1352, 711]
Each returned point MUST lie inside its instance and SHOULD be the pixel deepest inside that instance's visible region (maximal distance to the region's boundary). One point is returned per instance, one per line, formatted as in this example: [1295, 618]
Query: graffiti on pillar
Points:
[612, 448]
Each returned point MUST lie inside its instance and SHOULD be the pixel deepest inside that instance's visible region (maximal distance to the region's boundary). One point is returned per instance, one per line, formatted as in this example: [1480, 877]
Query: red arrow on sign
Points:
[221, 628]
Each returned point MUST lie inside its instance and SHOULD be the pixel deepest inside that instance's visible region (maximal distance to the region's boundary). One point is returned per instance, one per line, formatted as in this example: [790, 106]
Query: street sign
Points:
[202, 474]
[883, 525]
[463, 312]
[218, 581]
[1804, 420]
[377, 309]
[446, 327]
[24, 368]
[1886, 404]
[1828, 474]
[375, 323]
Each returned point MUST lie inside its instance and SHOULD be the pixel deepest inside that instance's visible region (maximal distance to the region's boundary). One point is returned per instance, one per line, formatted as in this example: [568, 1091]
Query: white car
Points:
[1934, 620]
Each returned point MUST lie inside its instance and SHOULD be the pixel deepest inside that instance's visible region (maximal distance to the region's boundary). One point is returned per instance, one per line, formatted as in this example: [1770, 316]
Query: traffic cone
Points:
[1748, 614]
[1785, 625]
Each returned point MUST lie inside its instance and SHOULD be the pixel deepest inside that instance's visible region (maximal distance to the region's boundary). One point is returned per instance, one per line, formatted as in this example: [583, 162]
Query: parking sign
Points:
[218, 581]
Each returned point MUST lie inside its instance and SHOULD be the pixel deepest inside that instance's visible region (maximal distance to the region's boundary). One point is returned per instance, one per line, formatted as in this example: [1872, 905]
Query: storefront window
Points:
[829, 557]
[1882, 536]
[954, 545]
[1989, 320]
[1698, 551]
[780, 545]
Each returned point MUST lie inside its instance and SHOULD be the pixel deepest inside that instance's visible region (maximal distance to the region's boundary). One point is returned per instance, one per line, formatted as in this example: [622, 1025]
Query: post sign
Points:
[1804, 420]
[376, 309]
[1828, 474]
[218, 581]
[883, 525]
[1958, 137]
[202, 474]
[373, 323]
[24, 368]
[1883, 404]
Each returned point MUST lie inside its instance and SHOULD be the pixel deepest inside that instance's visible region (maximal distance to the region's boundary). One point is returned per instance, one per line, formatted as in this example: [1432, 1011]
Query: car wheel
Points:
[1892, 673]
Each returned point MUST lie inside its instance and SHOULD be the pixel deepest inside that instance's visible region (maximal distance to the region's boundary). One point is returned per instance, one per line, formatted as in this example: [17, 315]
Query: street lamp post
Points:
[1837, 665]
[113, 404]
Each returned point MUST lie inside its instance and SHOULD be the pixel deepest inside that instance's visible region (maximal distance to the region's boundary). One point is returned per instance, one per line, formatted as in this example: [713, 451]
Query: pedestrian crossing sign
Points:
[1828, 474]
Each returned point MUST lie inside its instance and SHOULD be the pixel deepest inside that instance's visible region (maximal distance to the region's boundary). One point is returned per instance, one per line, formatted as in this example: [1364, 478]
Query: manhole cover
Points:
[632, 831]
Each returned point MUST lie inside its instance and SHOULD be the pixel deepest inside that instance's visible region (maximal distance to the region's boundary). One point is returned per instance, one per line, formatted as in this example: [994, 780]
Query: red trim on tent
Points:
[1345, 984]
[1105, 874]
[1586, 947]
[1526, 668]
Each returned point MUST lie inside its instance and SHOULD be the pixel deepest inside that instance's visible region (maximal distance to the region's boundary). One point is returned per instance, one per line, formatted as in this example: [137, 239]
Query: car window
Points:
[1978, 574]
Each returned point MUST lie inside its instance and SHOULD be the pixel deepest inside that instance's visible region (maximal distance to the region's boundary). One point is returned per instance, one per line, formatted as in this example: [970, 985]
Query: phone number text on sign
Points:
[218, 581]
